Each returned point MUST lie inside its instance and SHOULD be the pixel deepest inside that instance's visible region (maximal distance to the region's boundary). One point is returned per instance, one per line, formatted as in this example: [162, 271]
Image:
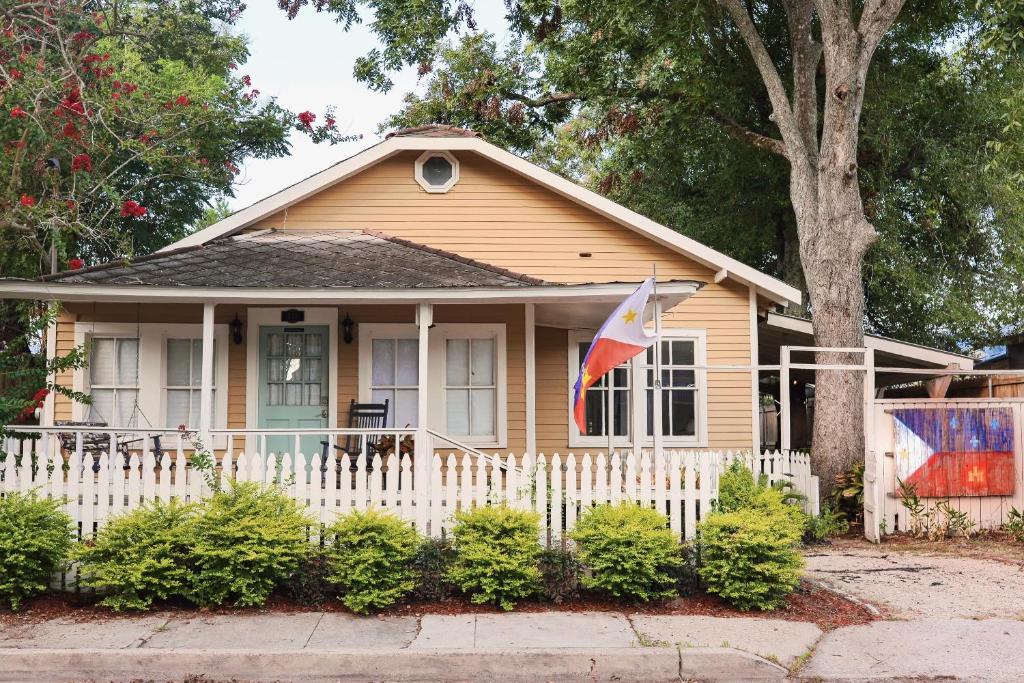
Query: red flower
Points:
[16, 74]
[40, 395]
[116, 96]
[329, 122]
[132, 209]
[28, 201]
[307, 118]
[182, 101]
[70, 131]
[18, 113]
[81, 162]
[247, 80]
[70, 204]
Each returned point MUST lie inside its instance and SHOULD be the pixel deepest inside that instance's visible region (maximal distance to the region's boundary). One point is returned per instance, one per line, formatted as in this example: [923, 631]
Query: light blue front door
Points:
[293, 390]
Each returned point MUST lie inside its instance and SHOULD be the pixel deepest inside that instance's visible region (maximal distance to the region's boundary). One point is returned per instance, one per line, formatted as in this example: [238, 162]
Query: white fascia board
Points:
[62, 291]
[765, 285]
[925, 354]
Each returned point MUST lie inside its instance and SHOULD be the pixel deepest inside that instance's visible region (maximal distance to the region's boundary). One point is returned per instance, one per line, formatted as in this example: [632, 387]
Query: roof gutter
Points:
[670, 293]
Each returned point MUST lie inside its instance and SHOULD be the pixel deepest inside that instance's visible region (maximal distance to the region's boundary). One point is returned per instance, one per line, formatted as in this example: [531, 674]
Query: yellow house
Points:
[436, 272]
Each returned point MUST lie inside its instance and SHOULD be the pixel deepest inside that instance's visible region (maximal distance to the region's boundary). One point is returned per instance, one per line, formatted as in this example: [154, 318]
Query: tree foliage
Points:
[120, 120]
[660, 107]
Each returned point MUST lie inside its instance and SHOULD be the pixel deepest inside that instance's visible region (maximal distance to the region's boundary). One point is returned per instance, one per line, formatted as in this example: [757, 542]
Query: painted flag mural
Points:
[621, 337]
[948, 452]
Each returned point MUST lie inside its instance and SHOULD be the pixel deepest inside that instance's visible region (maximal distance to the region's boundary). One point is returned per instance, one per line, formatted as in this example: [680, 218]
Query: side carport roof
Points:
[780, 330]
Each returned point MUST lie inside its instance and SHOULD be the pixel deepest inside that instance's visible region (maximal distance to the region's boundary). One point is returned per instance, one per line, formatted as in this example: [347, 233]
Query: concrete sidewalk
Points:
[548, 646]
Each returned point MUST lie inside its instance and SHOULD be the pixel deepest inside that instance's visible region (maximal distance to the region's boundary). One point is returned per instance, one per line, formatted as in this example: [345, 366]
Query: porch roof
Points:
[271, 258]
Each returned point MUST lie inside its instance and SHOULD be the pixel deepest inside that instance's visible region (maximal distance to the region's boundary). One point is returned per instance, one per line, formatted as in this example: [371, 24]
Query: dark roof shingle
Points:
[270, 258]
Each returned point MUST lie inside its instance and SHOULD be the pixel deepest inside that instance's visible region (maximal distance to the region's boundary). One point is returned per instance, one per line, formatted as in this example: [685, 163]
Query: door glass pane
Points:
[128, 361]
[276, 369]
[276, 343]
[683, 413]
[383, 371]
[293, 394]
[313, 345]
[292, 369]
[313, 369]
[102, 407]
[293, 345]
[177, 407]
[483, 362]
[101, 364]
[458, 412]
[313, 394]
[276, 397]
[595, 410]
[178, 359]
[621, 412]
[482, 412]
[408, 362]
[407, 409]
[457, 362]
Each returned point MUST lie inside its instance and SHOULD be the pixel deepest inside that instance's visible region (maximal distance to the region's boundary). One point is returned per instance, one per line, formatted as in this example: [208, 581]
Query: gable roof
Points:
[349, 259]
[456, 139]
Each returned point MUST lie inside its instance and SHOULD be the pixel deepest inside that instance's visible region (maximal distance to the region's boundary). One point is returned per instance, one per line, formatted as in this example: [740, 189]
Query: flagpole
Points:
[656, 389]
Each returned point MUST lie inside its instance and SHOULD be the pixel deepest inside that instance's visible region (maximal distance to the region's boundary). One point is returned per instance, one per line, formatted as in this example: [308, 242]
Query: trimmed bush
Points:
[140, 556]
[748, 556]
[246, 541]
[560, 574]
[370, 555]
[736, 487]
[35, 537]
[628, 552]
[434, 558]
[496, 553]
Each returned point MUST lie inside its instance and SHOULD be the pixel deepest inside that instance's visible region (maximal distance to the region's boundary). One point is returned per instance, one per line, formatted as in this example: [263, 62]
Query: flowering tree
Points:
[119, 120]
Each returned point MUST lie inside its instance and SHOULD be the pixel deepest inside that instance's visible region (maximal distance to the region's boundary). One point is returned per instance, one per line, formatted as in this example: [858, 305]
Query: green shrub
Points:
[370, 555]
[35, 537]
[140, 556]
[628, 551]
[496, 553]
[434, 557]
[1014, 524]
[749, 557]
[827, 524]
[309, 584]
[560, 574]
[736, 487]
[246, 541]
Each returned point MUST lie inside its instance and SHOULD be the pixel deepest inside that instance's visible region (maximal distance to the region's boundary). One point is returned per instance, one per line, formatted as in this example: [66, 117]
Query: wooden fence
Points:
[682, 484]
[985, 512]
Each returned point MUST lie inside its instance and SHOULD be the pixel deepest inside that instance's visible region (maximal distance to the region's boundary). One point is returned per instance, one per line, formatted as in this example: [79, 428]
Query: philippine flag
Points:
[621, 337]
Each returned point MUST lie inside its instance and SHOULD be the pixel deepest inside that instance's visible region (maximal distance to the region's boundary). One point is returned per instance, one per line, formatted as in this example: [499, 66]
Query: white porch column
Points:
[785, 423]
[51, 354]
[531, 379]
[206, 386]
[424, 446]
[755, 379]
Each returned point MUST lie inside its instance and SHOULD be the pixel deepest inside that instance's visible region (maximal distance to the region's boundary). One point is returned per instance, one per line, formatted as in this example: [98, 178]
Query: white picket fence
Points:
[681, 484]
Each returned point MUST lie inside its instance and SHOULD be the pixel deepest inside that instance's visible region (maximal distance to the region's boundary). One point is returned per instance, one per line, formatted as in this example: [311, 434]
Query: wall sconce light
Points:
[346, 329]
[236, 330]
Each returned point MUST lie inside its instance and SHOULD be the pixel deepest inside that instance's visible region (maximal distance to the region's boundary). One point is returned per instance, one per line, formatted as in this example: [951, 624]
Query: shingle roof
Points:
[435, 130]
[270, 258]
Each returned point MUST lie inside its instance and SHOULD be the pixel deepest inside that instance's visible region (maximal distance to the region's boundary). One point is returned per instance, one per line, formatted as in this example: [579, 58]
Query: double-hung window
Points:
[394, 377]
[471, 390]
[183, 381]
[114, 380]
[683, 395]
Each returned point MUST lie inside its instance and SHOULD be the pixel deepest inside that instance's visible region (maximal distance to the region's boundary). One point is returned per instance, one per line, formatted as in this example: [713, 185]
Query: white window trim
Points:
[153, 366]
[436, 189]
[638, 415]
[436, 370]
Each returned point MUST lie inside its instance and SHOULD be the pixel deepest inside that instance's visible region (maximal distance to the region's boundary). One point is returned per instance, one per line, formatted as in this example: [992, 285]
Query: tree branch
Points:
[544, 101]
[877, 18]
[782, 113]
[806, 55]
[737, 131]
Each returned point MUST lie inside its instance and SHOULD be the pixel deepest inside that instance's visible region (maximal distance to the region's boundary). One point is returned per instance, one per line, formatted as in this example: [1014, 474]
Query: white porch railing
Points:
[681, 484]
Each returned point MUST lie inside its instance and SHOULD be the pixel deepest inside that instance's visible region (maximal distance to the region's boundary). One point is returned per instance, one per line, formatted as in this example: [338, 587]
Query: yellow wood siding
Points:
[500, 218]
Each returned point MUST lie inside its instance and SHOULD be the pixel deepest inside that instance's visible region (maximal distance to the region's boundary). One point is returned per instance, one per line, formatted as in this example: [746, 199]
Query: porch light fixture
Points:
[236, 330]
[347, 326]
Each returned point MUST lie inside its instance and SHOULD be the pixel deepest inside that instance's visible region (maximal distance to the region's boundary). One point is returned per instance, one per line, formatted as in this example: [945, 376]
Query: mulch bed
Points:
[808, 603]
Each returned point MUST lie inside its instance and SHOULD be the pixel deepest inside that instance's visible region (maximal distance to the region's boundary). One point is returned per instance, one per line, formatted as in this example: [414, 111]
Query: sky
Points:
[307, 64]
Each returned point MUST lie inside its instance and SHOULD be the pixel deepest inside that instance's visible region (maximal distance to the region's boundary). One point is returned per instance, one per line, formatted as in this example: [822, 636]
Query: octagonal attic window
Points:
[437, 171]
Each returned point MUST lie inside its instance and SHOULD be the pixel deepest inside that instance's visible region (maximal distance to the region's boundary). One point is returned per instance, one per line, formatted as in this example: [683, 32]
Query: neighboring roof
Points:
[905, 354]
[457, 139]
[271, 258]
[435, 130]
